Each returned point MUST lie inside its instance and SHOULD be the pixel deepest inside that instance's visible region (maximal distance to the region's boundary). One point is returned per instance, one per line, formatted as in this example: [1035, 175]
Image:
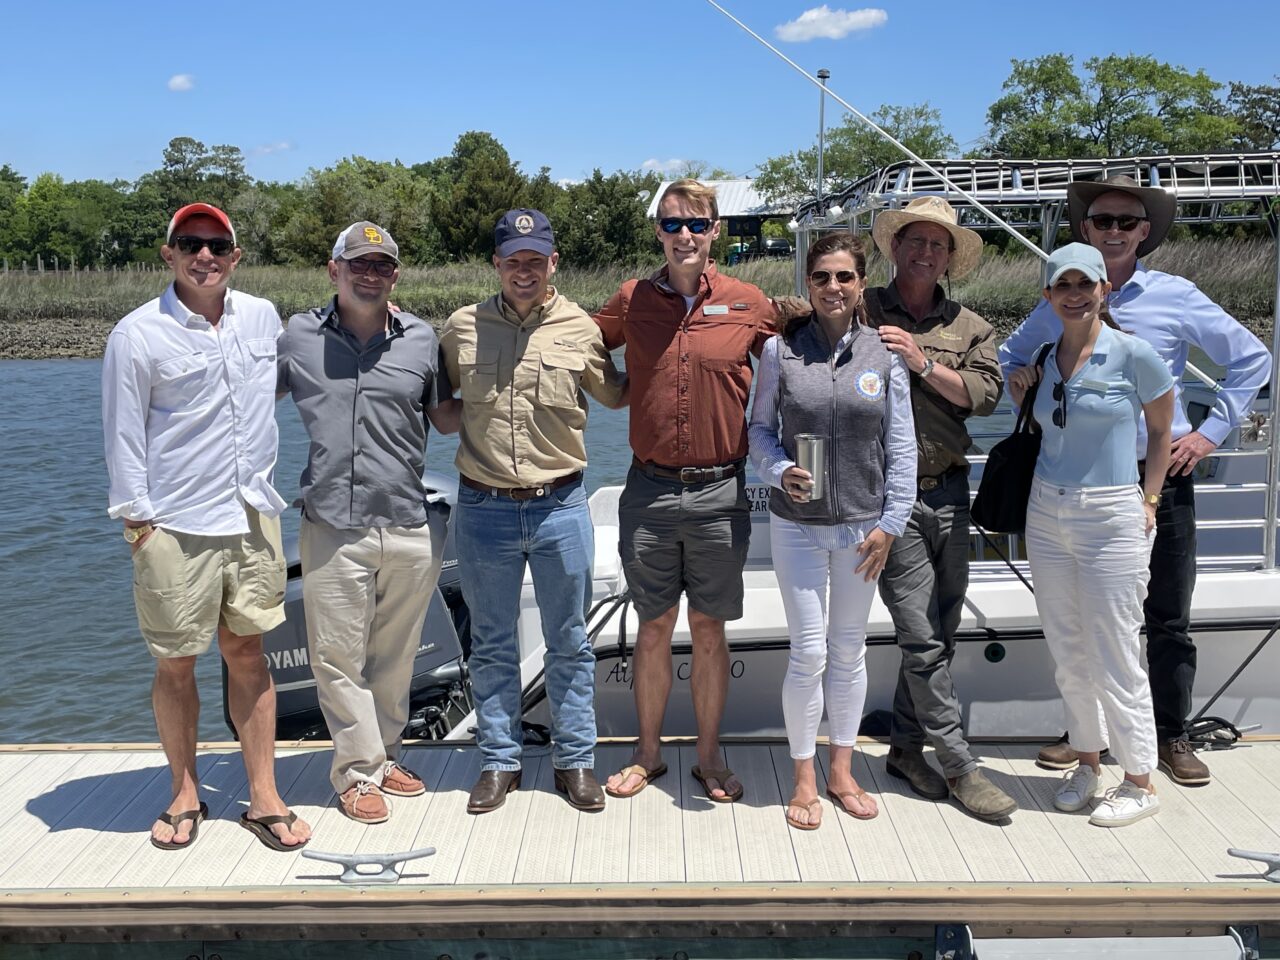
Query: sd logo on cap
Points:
[524, 230]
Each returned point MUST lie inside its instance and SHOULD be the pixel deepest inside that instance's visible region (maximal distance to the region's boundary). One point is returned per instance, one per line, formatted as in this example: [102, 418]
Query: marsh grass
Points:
[1239, 275]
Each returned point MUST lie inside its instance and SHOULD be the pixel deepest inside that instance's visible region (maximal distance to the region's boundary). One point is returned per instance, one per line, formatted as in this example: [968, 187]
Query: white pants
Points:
[365, 593]
[832, 646]
[1089, 559]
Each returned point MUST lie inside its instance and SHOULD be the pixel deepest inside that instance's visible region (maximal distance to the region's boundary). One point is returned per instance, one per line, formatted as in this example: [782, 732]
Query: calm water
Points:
[72, 665]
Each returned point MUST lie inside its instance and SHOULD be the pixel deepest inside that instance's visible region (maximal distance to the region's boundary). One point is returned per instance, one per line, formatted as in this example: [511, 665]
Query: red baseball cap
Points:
[199, 210]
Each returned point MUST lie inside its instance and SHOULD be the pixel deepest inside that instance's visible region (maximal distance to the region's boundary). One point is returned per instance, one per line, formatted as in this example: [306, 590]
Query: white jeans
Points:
[365, 593]
[832, 646]
[1089, 558]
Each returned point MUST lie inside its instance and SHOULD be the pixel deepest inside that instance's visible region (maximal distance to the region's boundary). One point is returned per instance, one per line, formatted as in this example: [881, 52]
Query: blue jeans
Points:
[495, 538]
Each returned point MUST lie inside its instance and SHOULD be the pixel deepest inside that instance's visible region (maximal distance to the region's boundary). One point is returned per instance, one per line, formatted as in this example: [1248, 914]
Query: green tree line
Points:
[443, 210]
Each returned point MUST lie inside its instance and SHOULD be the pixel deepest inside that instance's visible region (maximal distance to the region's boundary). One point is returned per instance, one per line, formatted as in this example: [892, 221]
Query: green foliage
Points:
[853, 150]
[1257, 111]
[602, 219]
[483, 184]
[1122, 106]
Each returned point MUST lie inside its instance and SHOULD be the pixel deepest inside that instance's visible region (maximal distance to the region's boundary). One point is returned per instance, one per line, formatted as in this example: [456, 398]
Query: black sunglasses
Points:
[695, 224]
[1060, 414]
[383, 268]
[218, 246]
[1105, 221]
[820, 278]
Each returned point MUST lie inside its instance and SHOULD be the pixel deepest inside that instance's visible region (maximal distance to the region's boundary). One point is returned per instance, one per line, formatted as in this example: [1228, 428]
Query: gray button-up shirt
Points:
[364, 407]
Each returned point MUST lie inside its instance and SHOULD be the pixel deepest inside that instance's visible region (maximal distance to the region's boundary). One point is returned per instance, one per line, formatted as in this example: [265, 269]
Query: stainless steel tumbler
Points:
[811, 455]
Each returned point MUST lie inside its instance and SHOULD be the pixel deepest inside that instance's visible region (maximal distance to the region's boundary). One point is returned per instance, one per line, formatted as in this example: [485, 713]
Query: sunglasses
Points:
[1060, 414]
[820, 278]
[383, 268]
[695, 224]
[218, 246]
[1105, 221]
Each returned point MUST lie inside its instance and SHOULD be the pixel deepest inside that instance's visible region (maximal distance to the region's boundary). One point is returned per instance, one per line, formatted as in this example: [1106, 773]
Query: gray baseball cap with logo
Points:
[364, 237]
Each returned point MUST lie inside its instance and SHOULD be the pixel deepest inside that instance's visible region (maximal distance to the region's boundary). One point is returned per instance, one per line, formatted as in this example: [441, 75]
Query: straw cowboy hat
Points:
[968, 244]
[1161, 206]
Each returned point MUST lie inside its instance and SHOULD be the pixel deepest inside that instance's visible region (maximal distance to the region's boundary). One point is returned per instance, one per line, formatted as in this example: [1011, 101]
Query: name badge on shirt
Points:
[715, 310]
[1094, 385]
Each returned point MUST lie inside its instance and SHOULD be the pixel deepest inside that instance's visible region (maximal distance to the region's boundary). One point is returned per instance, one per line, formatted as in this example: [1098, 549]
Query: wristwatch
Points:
[134, 534]
[927, 369]
[1152, 498]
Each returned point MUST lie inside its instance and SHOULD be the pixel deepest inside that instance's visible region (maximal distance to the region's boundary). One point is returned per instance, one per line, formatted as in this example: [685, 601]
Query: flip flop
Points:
[646, 777]
[721, 777]
[808, 806]
[260, 827]
[173, 820]
[838, 800]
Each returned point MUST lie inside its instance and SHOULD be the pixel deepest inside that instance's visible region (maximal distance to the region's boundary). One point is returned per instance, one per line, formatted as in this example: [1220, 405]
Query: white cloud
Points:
[182, 82]
[824, 23]
[278, 147]
[674, 165]
[567, 182]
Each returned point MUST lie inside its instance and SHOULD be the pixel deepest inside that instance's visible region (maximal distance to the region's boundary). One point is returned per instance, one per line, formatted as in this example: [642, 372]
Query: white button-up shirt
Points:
[188, 414]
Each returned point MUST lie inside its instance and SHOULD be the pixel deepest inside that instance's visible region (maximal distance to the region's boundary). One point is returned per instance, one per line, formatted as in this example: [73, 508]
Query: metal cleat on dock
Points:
[388, 862]
[1272, 860]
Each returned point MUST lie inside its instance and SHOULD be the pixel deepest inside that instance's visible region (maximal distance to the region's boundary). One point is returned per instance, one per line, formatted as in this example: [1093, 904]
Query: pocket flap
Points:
[176, 367]
[563, 360]
[262, 348]
[721, 365]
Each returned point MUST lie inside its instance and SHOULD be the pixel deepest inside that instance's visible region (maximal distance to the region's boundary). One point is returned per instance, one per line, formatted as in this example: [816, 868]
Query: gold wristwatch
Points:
[134, 534]
[1152, 498]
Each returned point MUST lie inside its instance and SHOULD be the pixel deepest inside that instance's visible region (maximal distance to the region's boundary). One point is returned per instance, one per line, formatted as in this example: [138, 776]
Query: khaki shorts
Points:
[186, 585]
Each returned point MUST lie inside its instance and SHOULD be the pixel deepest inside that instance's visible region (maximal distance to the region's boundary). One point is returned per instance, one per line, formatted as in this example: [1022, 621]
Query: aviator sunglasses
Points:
[695, 224]
[1060, 413]
[820, 278]
[218, 246]
[1125, 222]
[383, 268]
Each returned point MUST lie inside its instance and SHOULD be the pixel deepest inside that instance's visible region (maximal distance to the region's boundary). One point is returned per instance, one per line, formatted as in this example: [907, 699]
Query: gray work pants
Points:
[923, 586]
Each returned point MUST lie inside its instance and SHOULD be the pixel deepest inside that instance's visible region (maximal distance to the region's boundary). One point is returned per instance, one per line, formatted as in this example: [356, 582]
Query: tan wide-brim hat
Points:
[968, 249]
[1161, 206]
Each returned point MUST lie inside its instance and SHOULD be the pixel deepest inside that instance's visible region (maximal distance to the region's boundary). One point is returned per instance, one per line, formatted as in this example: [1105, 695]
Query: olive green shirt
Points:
[522, 383]
[952, 336]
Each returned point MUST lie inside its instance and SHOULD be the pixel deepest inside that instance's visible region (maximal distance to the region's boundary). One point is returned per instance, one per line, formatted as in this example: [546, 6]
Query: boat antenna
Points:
[951, 184]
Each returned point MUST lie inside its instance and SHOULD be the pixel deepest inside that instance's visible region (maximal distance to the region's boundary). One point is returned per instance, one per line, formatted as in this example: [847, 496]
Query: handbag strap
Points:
[1026, 419]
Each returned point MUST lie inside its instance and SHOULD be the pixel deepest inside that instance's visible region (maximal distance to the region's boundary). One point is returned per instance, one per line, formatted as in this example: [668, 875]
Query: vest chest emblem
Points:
[869, 385]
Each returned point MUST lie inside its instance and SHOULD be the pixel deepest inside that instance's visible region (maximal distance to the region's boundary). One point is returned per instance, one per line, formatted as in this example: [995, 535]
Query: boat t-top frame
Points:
[1030, 196]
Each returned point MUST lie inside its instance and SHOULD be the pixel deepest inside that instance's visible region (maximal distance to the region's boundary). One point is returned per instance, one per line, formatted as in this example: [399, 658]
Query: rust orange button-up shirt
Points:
[689, 368]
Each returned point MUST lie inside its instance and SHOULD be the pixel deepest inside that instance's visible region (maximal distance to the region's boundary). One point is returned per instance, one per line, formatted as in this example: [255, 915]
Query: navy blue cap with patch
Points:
[524, 230]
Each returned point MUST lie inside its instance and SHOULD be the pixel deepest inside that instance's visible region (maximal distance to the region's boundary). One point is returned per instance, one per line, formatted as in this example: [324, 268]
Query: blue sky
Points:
[96, 89]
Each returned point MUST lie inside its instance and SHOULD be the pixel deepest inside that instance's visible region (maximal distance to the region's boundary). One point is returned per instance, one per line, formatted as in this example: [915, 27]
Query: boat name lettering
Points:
[620, 673]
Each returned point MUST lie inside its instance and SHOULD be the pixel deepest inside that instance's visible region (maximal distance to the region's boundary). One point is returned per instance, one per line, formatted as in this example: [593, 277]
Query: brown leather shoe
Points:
[981, 797]
[363, 801]
[911, 766]
[400, 781]
[580, 788]
[490, 791]
[1060, 755]
[1179, 761]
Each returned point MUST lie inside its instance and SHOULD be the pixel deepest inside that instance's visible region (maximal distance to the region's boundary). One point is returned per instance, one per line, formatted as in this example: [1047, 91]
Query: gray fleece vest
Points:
[844, 400]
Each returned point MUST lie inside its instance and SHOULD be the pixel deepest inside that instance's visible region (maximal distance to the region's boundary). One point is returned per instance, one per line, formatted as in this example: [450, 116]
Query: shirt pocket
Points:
[559, 373]
[479, 374]
[179, 382]
[179, 368]
[260, 371]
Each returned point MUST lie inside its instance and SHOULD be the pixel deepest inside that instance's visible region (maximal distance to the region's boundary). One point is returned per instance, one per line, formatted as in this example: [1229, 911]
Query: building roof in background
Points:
[736, 198]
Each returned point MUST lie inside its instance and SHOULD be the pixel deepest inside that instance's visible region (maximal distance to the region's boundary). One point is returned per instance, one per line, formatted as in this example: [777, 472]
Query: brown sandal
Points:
[792, 822]
[722, 777]
[861, 796]
[646, 777]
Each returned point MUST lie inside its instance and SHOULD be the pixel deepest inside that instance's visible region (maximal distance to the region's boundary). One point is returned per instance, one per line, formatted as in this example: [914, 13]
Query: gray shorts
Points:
[691, 538]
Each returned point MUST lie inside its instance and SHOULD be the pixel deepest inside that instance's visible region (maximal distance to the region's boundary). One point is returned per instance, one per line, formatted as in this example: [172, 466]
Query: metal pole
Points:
[1273, 450]
[823, 75]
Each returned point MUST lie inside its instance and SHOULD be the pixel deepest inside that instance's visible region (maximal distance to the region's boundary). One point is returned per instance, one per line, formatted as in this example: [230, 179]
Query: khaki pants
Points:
[365, 593]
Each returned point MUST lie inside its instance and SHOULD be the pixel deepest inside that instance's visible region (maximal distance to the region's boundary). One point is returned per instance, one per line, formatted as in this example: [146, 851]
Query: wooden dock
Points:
[76, 865]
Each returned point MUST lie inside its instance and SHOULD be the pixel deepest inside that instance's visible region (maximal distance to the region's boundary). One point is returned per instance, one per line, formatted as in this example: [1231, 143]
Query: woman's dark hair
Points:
[834, 243]
[1104, 311]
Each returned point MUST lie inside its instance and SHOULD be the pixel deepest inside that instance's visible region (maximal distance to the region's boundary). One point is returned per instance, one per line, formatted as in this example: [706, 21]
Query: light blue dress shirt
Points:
[1171, 314]
[898, 436]
[1104, 398]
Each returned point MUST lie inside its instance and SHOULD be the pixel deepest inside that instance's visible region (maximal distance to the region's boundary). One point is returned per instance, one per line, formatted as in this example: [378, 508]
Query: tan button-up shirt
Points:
[522, 383]
[952, 336]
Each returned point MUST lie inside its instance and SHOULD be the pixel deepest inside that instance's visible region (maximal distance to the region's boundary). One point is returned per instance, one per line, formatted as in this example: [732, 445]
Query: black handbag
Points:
[1005, 488]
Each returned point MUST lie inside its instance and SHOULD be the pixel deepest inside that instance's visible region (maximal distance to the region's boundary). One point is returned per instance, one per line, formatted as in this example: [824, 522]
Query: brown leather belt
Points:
[926, 484]
[522, 493]
[689, 474]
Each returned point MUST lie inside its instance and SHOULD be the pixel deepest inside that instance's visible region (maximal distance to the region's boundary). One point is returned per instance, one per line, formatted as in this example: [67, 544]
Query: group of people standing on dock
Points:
[886, 376]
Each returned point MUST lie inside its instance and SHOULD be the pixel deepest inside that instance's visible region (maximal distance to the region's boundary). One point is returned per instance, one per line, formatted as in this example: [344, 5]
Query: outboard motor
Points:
[440, 691]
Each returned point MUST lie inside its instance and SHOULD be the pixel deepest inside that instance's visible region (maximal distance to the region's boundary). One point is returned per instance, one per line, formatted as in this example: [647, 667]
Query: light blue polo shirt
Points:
[1104, 402]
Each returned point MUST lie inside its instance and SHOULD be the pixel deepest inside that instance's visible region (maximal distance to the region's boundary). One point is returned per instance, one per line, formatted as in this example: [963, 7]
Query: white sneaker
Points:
[1077, 789]
[1125, 804]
